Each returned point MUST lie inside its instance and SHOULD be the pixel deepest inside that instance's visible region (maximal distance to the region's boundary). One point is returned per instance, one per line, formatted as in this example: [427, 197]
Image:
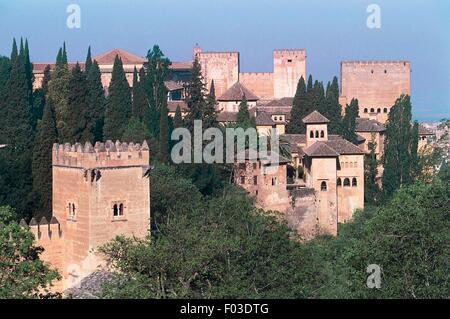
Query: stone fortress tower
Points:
[99, 192]
[224, 69]
[376, 85]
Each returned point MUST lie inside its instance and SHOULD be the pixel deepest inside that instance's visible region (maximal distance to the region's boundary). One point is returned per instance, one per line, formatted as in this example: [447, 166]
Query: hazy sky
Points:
[330, 31]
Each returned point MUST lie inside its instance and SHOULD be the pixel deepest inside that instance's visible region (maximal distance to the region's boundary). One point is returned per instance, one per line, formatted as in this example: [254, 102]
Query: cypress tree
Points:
[349, 121]
[17, 134]
[163, 153]
[64, 54]
[118, 105]
[77, 116]
[400, 147]
[371, 190]
[88, 63]
[296, 126]
[42, 163]
[28, 67]
[195, 96]
[139, 99]
[96, 102]
[5, 69]
[244, 119]
[14, 53]
[209, 115]
[39, 97]
[58, 91]
[178, 118]
[333, 108]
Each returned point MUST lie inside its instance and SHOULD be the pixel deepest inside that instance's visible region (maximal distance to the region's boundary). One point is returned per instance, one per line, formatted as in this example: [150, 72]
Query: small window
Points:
[346, 182]
[372, 110]
[339, 182]
[115, 210]
[385, 71]
[317, 134]
[120, 209]
[323, 186]
[72, 211]
[254, 165]
[365, 110]
[378, 110]
[311, 134]
[322, 134]
[289, 60]
[371, 71]
[274, 181]
[385, 110]
[242, 179]
[255, 180]
[354, 182]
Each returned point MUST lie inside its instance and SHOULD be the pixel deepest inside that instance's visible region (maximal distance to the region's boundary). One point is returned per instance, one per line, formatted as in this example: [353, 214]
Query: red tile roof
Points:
[236, 92]
[315, 117]
[127, 57]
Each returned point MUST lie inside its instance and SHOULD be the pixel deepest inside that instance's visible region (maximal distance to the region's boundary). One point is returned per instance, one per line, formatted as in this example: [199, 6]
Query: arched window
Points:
[311, 134]
[354, 182]
[115, 210]
[322, 134]
[121, 209]
[317, 134]
[323, 186]
[378, 110]
[372, 110]
[339, 182]
[365, 110]
[351, 164]
[385, 110]
[346, 182]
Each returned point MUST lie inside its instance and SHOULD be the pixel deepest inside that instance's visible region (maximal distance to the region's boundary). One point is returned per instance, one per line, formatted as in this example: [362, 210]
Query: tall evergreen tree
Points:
[333, 110]
[14, 52]
[42, 163]
[195, 96]
[399, 147]
[88, 63]
[5, 69]
[39, 98]
[210, 111]
[77, 115]
[17, 134]
[244, 119]
[178, 118]
[163, 153]
[139, 99]
[58, 91]
[64, 54]
[349, 121]
[96, 102]
[371, 189]
[118, 105]
[299, 109]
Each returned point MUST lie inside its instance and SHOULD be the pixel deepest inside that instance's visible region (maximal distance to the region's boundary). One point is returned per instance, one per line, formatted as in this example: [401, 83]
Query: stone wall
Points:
[376, 85]
[222, 67]
[260, 83]
[288, 67]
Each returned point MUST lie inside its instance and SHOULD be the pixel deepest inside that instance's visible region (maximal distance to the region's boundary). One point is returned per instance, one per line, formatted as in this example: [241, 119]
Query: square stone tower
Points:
[99, 192]
[288, 67]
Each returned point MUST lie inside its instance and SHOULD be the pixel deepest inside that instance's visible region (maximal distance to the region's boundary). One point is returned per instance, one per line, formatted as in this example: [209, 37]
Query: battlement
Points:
[101, 155]
[376, 63]
[256, 74]
[219, 54]
[290, 52]
[44, 229]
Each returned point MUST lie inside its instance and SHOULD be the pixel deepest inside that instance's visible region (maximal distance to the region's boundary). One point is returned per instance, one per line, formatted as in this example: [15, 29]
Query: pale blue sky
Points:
[330, 31]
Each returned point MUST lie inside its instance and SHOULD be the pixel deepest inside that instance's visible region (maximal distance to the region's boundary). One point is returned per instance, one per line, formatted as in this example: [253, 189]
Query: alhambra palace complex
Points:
[109, 189]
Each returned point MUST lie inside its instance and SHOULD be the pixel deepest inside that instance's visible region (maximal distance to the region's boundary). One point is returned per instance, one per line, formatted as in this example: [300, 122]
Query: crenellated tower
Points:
[99, 192]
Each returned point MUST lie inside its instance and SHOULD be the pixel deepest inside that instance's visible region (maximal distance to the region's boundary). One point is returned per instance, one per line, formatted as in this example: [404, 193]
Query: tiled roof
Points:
[172, 106]
[181, 65]
[369, 125]
[424, 131]
[40, 67]
[285, 101]
[236, 92]
[320, 149]
[315, 117]
[227, 117]
[127, 57]
[263, 118]
[173, 86]
[344, 147]
[294, 141]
